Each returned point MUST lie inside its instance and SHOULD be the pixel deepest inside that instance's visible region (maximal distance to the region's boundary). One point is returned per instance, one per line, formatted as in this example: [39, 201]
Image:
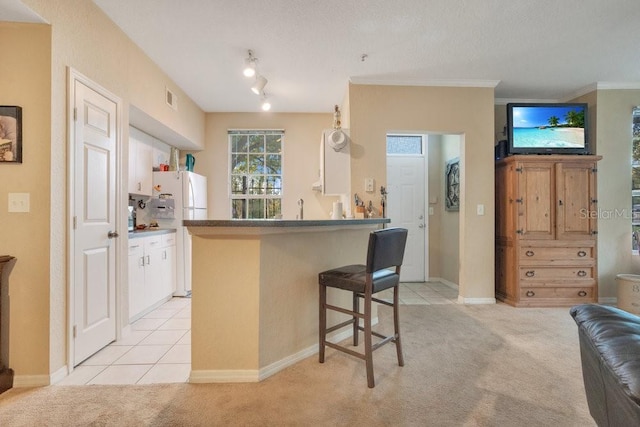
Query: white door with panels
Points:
[94, 142]
[406, 208]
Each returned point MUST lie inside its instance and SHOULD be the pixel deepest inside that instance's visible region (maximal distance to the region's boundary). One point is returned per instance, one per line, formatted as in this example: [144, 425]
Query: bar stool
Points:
[386, 250]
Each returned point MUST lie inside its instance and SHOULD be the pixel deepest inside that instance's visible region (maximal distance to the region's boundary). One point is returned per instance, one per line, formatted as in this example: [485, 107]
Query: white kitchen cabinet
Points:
[140, 162]
[152, 272]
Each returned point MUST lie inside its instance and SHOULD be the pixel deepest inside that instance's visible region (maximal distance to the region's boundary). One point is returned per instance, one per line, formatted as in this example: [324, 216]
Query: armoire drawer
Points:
[535, 253]
[585, 293]
[555, 273]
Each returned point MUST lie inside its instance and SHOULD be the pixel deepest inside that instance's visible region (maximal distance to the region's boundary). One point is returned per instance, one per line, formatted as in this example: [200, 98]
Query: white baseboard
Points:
[58, 375]
[462, 300]
[20, 381]
[251, 375]
[608, 300]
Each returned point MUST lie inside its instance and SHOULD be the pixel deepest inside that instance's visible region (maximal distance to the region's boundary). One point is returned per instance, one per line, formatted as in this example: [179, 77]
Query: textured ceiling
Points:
[310, 50]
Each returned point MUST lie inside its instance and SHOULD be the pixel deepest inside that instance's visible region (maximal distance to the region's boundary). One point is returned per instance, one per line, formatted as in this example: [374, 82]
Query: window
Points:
[635, 182]
[404, 144]
[256, 173]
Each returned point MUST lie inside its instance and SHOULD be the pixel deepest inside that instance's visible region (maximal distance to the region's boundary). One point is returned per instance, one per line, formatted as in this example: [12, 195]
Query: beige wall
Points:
[26, 82]
[613, 140]
[376, 110]
[301, 159]
[83, 38]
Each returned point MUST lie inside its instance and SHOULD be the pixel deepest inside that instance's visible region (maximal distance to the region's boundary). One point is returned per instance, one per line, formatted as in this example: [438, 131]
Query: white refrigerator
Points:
[189, 192]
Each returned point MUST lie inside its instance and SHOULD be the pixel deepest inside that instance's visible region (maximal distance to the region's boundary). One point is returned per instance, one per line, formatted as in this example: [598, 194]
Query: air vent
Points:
[172, 99]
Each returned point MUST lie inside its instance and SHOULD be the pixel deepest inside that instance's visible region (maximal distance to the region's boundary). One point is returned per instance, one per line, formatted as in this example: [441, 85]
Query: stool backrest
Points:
[386, 248]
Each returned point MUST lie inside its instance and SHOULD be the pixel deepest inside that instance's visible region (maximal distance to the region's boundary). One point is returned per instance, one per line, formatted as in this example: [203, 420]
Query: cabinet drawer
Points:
[529, 253]
[152, 242]
[530, 293]
[552, 273]
[169, 239]
[136, 246]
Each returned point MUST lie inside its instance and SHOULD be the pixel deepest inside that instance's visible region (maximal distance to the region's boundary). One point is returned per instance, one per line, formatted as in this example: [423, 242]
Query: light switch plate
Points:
[368, 185]
[480, 210]
[19, 202]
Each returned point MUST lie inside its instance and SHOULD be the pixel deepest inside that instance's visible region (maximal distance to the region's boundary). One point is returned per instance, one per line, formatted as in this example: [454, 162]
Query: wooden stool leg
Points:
[368, 353]
[396, 324]
[356, 322]
[322, 327]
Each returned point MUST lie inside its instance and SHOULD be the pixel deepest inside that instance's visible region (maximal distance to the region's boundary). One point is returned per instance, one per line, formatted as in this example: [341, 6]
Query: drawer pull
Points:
[531, 293]
[582, 273]
[582, 254]
[530, 273]
[582, 294]
[530, 253]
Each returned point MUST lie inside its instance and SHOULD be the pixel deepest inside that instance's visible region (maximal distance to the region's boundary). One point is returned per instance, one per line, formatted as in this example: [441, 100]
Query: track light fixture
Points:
[266, 105]
[250, 70]
[250, 65]
[259, 85]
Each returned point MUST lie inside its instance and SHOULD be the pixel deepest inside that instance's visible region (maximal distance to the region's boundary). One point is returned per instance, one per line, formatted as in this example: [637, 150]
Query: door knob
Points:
[112, 234]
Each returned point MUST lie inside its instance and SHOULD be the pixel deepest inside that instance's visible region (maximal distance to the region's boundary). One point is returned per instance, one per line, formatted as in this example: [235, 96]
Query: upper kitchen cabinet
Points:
[140, 162]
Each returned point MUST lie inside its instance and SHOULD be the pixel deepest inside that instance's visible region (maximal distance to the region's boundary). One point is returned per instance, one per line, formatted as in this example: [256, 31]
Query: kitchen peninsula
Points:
[255, 291]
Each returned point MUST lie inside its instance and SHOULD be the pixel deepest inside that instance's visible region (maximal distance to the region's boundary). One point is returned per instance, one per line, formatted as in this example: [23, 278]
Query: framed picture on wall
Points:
[10, 134]
[452, 185]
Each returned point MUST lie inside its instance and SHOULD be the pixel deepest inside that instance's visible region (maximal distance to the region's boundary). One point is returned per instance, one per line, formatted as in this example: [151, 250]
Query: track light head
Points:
[250, 65]
[259, 85]
[266, 105]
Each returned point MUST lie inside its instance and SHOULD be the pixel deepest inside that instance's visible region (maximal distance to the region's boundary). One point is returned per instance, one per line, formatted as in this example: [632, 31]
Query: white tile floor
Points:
[158, 349]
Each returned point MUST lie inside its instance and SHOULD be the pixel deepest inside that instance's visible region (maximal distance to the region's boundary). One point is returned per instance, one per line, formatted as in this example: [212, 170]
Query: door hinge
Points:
[75, 114]
[75, 331]
[594, 170]
[519, 170]
[519, 200]
[519, 231]
[75, 222]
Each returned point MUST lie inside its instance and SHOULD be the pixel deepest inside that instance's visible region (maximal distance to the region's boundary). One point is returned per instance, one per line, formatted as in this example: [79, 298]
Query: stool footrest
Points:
[344, 310]
[345, 350]
[340, 325]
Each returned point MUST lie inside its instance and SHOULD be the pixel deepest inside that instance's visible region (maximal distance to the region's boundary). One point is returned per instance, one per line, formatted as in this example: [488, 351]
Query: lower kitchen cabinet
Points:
[152, 272]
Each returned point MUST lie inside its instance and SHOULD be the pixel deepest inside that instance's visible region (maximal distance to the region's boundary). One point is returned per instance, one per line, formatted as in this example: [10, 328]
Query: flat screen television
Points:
[545, 128]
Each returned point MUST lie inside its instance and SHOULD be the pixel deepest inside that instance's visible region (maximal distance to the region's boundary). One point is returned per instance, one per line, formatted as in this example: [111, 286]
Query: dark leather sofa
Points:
[610, 356]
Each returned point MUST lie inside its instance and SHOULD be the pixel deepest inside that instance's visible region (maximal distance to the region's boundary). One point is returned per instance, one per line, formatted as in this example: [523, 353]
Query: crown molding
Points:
[437, 82]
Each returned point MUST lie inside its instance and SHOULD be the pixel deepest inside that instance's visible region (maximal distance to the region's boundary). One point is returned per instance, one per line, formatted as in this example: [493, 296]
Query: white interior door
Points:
[94, 211]
[406, 208]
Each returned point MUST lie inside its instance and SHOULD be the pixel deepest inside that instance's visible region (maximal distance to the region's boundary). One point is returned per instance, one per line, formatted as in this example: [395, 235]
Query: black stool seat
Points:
[382, 271]
[353, 278]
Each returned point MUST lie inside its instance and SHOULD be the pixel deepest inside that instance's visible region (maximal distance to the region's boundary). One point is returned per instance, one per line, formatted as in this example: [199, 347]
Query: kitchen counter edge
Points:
[280, 223]
[150, 232]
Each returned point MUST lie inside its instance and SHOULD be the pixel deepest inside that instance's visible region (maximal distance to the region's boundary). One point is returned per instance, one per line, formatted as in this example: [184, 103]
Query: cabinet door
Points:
[140, 162]
[136, 278]
[168, 271]
[575, 193]
[535, 200]
[505, 199]
[153, 252]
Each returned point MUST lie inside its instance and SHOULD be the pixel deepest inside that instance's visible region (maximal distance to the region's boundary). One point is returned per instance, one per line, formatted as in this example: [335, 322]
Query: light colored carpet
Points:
[488, 365]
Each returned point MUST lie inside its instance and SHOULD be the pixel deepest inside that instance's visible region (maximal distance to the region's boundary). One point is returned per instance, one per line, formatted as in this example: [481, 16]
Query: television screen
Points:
[547, 128]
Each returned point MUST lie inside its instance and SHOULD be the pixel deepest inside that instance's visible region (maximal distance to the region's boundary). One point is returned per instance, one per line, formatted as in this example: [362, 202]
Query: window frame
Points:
[246, 196]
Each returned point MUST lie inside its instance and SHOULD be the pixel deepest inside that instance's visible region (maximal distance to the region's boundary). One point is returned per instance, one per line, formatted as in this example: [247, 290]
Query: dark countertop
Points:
[150, 232]
[282, 222]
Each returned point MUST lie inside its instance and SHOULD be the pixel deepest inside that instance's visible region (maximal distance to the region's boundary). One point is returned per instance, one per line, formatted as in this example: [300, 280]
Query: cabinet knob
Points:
[531, 293]
[529, 253]
[530, 273]
[582, 294]
[582, 273]
[582, 254]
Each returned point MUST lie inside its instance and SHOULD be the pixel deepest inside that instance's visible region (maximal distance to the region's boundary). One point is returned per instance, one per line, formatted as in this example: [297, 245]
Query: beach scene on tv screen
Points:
[548, 127]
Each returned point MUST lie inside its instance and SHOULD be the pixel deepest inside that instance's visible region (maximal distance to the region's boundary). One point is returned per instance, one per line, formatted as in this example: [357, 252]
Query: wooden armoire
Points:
[546, 230]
